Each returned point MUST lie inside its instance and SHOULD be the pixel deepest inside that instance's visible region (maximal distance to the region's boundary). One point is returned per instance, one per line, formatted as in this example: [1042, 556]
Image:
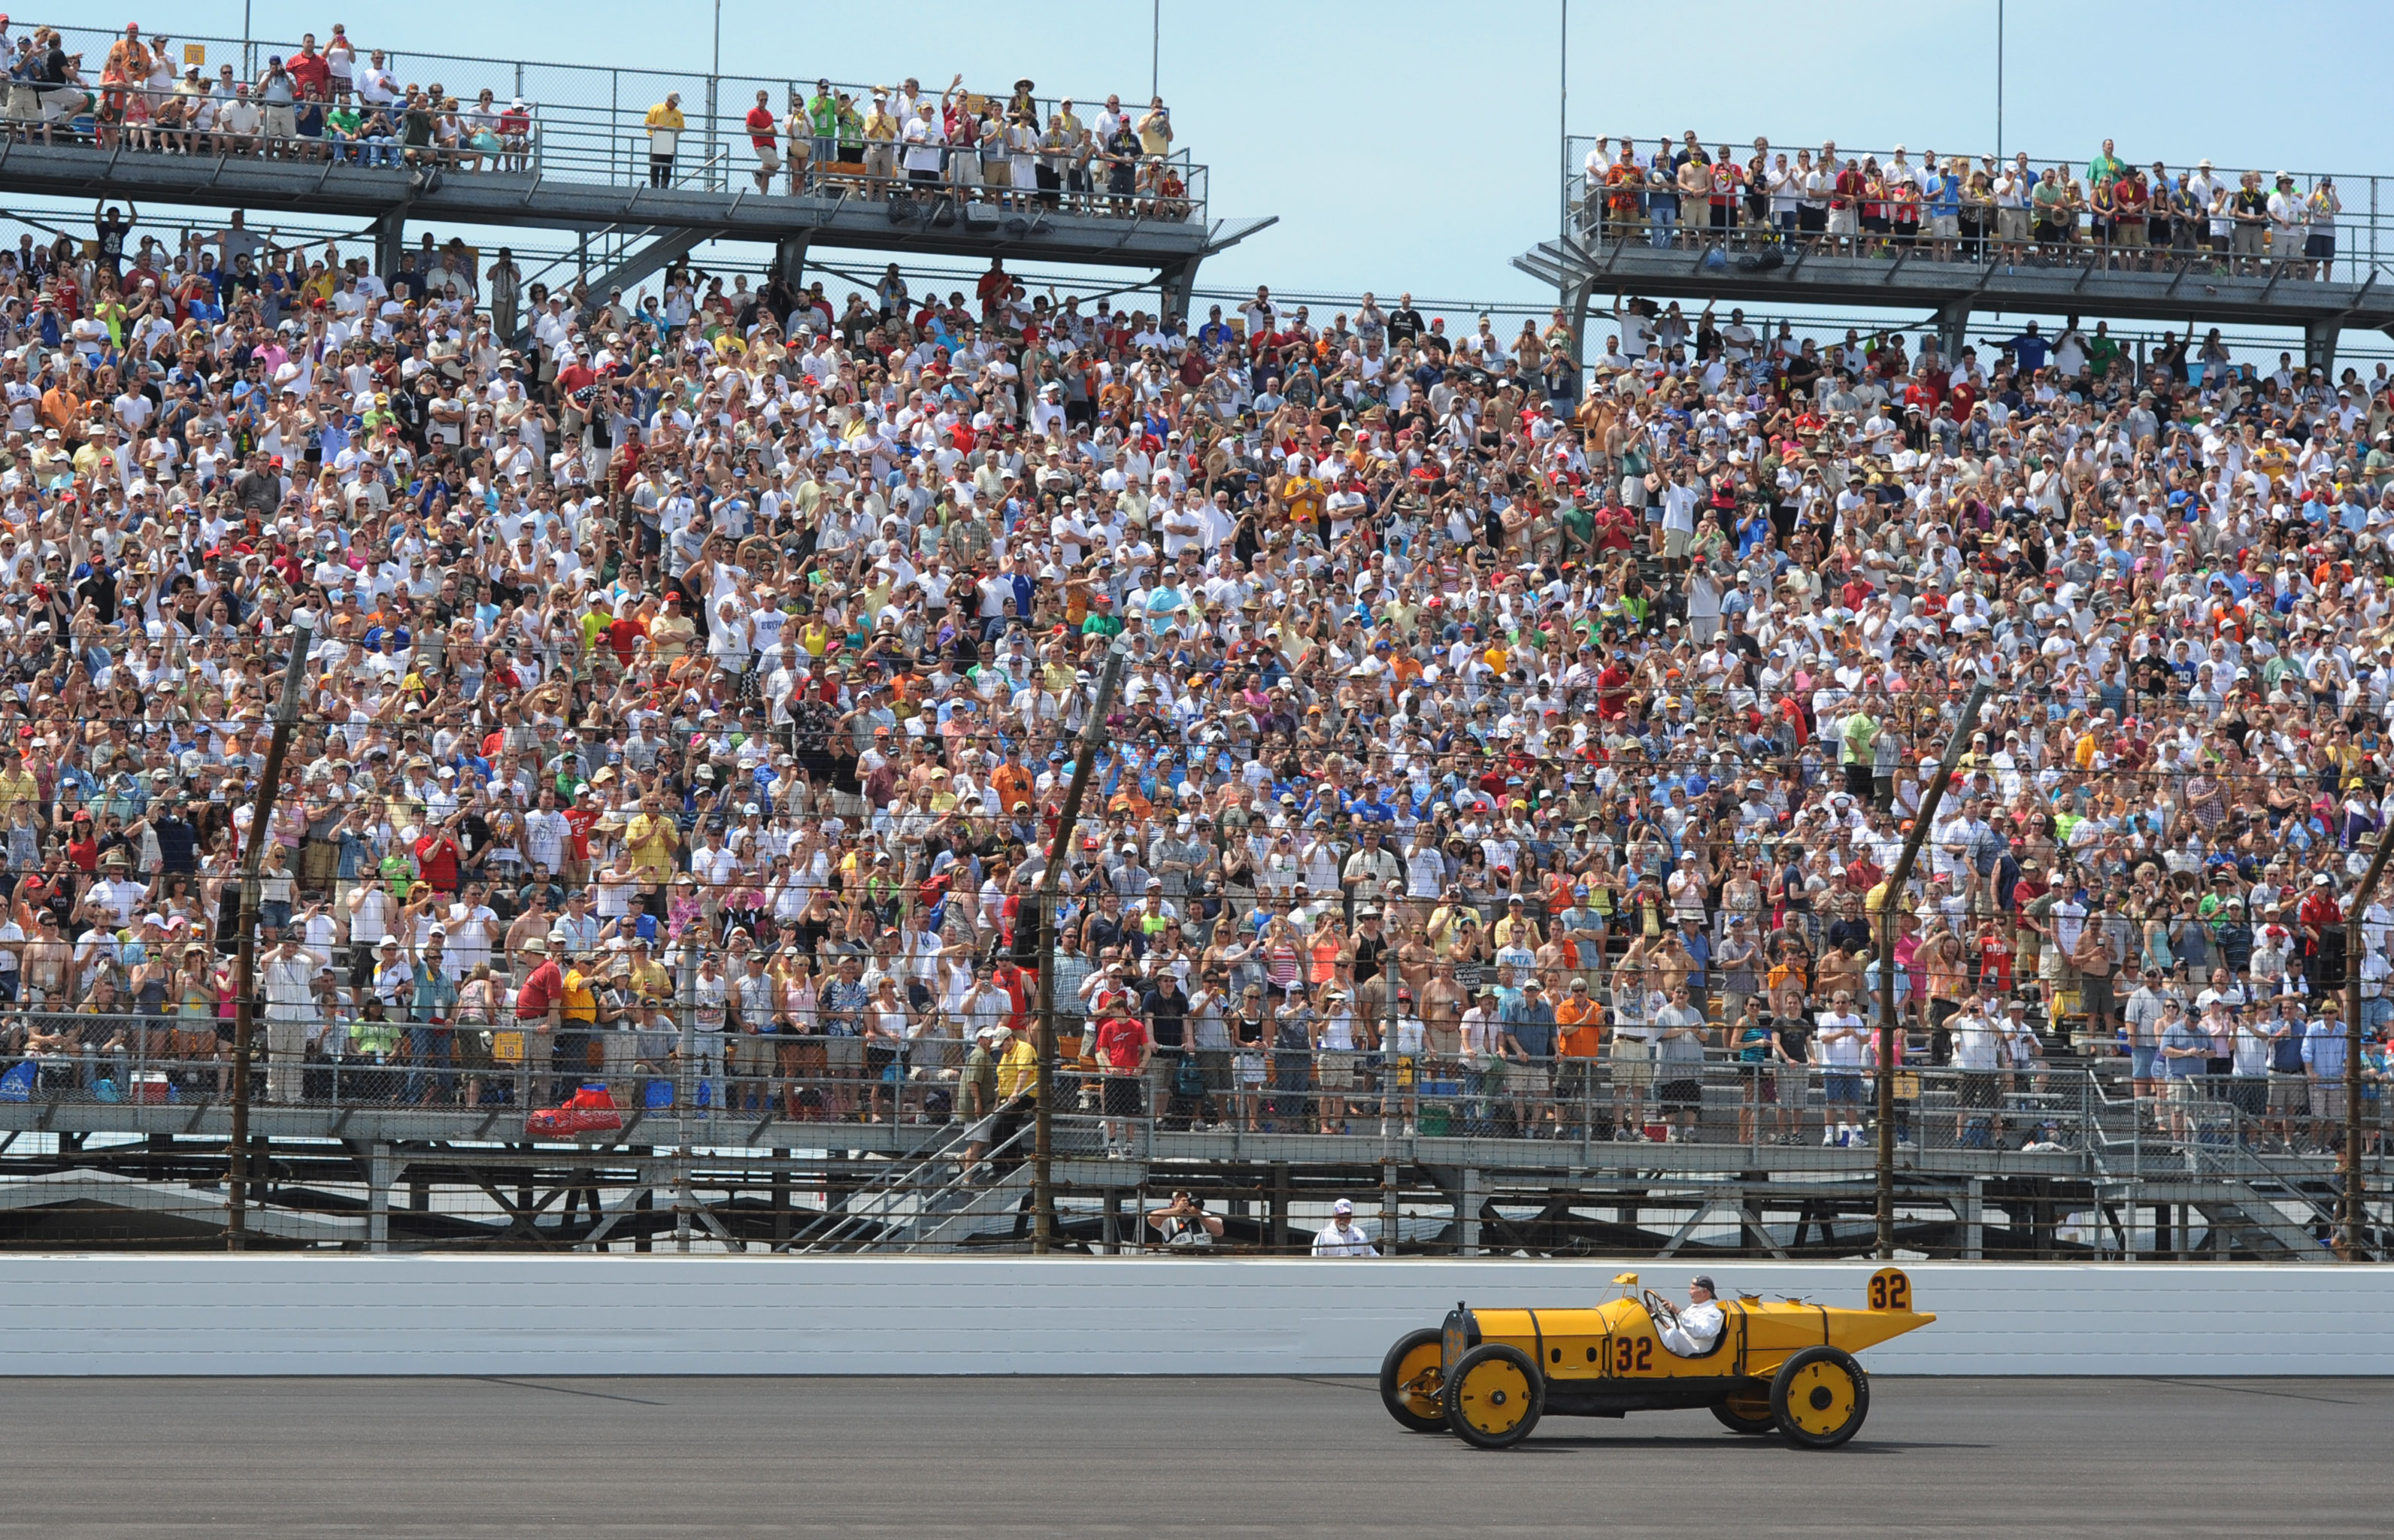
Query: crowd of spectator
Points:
[1001, 150]
[315, 104]
[1946, 208]
[339, 103]
[1504, 746]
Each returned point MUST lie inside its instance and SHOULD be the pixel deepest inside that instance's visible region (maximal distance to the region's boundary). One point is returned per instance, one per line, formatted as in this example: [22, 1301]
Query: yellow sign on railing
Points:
[195, 53]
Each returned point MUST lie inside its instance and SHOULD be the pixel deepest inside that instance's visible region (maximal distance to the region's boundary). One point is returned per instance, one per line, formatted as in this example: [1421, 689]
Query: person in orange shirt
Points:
[62, 409]
[1013, 781]
[1578, 1027]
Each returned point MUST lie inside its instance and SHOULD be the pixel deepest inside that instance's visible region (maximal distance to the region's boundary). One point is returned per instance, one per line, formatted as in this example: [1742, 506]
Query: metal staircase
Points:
[892, 1201]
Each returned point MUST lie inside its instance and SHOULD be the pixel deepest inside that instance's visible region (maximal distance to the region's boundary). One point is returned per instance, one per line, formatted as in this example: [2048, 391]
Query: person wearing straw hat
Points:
[540, 1001]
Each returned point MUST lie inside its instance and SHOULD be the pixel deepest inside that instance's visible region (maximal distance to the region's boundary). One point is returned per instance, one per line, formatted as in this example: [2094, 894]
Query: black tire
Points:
[1820, 1398]
[1746, 1409]
[1494, 1397]
[1395, 1374]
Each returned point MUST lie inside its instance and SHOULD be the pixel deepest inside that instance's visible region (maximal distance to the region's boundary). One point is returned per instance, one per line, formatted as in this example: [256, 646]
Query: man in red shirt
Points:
[2321, 919]
[1124, 1049]
[764, 136]
[540, 1002]
[437, 856]
[579, 820]
[1613, 688]
[309, 71]
[993, 287]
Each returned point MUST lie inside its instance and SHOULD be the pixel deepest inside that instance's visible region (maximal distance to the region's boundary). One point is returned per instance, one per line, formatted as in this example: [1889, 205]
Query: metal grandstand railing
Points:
[2364, 228]
[589, 121]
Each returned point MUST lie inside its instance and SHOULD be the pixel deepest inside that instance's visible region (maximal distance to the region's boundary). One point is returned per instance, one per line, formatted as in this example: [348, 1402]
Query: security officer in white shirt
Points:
[1692, 1332]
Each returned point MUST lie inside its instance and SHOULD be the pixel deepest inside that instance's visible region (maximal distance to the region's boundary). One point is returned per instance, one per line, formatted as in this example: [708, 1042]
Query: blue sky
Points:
[1410, 145]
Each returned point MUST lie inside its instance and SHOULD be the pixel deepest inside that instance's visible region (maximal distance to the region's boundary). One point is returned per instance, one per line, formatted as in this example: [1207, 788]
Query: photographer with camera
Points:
[1184, 1224]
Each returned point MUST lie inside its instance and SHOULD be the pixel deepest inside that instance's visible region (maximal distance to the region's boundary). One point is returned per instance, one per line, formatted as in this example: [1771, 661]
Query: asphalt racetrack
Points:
[1153, 1457]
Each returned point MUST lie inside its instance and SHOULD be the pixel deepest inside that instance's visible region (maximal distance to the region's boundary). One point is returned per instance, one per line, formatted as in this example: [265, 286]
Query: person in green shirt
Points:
[1578, 529]
[2105, 169]
[822, 125]
[1102, 620]
[2048, 199]
[342, 126]
[1856, 737]
[2102, 350]
[397, 871]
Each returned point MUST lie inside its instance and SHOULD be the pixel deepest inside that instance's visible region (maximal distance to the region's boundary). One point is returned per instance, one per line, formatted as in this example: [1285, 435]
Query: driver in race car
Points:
[1690, 1333]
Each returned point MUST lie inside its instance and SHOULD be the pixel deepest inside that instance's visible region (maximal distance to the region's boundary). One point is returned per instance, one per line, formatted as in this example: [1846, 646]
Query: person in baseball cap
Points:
[1696, 1330]
[1341, 1237]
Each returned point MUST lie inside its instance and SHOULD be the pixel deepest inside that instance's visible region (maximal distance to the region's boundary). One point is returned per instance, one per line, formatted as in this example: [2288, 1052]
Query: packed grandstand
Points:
[1506, 747]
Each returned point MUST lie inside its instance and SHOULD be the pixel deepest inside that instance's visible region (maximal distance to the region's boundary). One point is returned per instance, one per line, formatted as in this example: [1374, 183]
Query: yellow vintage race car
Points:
[1779, 1365]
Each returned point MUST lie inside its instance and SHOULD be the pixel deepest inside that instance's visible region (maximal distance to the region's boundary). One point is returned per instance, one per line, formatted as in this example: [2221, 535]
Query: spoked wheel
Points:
[1746, 1409]
[1412, 1384]
[1820, 1398]
[1494, 1397]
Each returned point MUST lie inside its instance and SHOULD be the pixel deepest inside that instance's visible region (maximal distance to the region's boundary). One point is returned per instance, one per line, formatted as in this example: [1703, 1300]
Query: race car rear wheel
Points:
[1820, 1398]
[1411, 1384]
[1746, 1409]
[1494, 1397]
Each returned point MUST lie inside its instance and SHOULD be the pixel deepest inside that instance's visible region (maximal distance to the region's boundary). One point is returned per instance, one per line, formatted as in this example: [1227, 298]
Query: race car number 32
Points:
[1633, 1354]
[1890, 1290]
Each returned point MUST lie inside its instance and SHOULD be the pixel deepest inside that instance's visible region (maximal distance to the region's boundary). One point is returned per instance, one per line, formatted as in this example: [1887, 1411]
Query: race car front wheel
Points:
[1820, 1398]
[1494, 1396]
[1411, 1385]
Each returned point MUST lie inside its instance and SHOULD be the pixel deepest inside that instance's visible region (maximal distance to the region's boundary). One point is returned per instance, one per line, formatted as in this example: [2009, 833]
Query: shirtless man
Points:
[1442, 1013]
[47, 959]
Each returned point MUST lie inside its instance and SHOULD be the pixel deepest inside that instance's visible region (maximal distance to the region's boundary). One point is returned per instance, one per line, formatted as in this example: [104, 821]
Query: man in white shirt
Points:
[1978, 1053]
[1693, 1332]
[1340, 1237]
[286, 975]
[1844, 1041]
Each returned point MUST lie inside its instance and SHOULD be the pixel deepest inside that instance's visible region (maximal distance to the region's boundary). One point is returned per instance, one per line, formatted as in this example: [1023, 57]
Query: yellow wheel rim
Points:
[1821, 1399]
[1493, 1397]
[1420, 1381]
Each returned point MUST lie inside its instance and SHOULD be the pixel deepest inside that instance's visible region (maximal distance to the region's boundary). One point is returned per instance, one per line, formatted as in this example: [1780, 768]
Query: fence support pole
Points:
[2356, 936]
[378, 1179]
[1093, 732]
[1890, 1057]
[270, 779]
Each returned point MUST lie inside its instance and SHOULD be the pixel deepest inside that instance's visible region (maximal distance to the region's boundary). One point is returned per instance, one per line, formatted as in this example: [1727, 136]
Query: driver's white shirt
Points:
[1698, 1328]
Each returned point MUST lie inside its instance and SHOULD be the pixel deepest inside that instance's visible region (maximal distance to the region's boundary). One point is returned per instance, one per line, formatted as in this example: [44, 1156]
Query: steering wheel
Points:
[1662, 1310]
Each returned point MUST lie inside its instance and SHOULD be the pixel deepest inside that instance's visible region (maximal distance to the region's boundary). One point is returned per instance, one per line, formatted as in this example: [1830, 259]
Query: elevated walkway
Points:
[669, 221]
[2188, 294]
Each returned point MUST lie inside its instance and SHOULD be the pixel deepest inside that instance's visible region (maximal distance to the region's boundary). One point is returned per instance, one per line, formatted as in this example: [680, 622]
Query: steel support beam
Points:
[382, 1171]
[668, 246]
[1575, 297]
[1178, 282]
[391, 244]
[2319, 344]
[1954, 330]
[790, 261]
